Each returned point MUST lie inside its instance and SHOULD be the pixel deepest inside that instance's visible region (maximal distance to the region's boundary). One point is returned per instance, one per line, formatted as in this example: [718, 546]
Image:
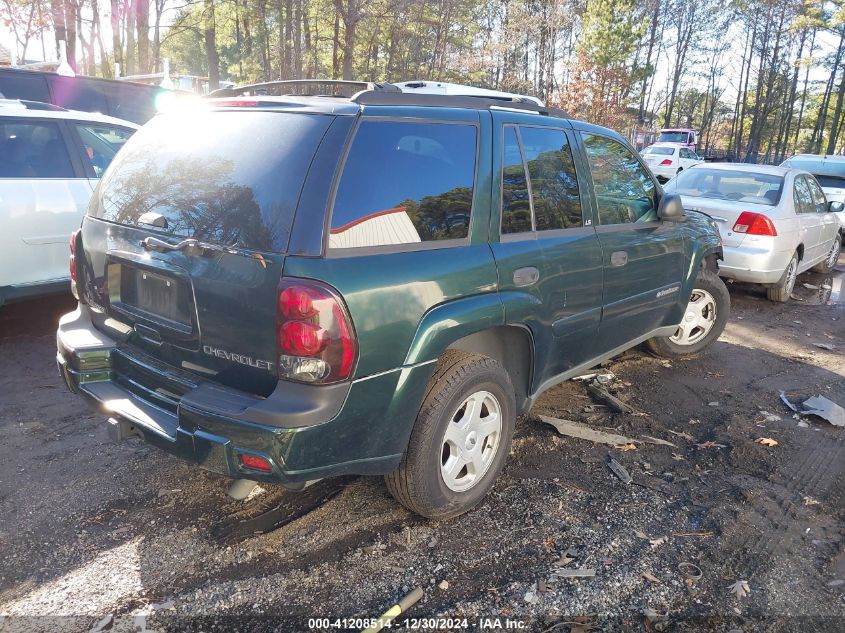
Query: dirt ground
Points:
[123, 537]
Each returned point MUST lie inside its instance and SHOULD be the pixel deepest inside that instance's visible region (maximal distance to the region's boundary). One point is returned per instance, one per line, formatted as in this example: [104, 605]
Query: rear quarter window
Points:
[233, 178]
[405, 183]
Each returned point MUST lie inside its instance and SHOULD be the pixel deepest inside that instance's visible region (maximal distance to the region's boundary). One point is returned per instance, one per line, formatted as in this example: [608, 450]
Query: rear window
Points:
[749, 187]
[660, 151]
[233, 178]
[405, 183]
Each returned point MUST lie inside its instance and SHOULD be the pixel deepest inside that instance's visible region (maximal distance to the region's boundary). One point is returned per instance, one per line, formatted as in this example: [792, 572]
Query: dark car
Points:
[284, 289]
[120, 99]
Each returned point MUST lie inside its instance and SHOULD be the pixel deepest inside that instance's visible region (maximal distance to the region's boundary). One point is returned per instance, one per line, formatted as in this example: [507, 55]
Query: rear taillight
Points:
[666, 161]
[754, 224]
[316, 341]
[72, 263]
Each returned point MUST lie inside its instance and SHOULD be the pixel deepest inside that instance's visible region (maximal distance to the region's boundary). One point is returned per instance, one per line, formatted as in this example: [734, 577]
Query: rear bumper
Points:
[212, 425]
[755, 263]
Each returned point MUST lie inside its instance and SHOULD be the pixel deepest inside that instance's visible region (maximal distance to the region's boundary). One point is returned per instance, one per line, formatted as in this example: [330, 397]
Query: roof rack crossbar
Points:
[381, 97]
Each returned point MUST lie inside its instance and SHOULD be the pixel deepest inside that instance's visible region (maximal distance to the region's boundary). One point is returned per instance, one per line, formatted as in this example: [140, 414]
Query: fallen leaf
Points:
[766, 441]
[709, 444]
[657, 541]
[740, 589]
[809, 501]
[630, 446]
[640, 534]
[677, 457]
[650, 577]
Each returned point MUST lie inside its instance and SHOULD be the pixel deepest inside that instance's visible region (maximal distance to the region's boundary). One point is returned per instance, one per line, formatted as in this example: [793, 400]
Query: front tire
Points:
[460, 440]
[832, 257]
[703, 322]
[780, 293]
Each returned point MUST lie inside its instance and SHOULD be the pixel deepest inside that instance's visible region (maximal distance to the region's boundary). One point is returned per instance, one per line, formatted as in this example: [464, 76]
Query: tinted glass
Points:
[722, 184]
[803, 198]
[134, 103]
[624, 191]
[659, 151]
[23, 85]
[833, 182]
[404, 183]
[33, 150]
[673, 137]
[76, 93]
[516, 202]
[554, 186]
[100, 143]
[228, 177]
[819, 200]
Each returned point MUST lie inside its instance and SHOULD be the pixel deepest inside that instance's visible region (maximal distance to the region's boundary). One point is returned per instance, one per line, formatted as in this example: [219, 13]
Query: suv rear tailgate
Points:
[184, 245]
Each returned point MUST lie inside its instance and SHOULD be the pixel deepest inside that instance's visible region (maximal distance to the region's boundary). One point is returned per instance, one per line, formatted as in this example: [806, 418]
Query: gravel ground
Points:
[126, 538]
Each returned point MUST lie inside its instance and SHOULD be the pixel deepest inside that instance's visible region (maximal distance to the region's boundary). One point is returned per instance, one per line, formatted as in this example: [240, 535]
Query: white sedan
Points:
[50, 162]
[775, 222]
[666, 160]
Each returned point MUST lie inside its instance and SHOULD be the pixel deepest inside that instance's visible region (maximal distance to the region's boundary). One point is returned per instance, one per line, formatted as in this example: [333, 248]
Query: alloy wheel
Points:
[833, 255]
[471, 441]
[699, 318]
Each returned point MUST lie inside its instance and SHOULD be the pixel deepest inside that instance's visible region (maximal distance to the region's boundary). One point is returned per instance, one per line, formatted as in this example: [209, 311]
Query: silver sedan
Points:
[775, 222]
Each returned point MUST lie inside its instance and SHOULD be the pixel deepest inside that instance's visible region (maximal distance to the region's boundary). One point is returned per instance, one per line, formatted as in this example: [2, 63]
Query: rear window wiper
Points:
[197, 248]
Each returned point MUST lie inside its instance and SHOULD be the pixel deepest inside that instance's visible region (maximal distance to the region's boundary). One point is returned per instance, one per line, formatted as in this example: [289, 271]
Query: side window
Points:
[818, 195]
[24, 85]
[803, 198]
[100, 143]
[405, 183]
[33, 150]
[516, 201]
[78, 93]
[554, 186]
[625, 193]
[684, 152]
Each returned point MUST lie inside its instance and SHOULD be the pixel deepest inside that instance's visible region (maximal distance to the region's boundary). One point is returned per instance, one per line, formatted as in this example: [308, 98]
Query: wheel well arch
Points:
[513, 348]
[800, 251]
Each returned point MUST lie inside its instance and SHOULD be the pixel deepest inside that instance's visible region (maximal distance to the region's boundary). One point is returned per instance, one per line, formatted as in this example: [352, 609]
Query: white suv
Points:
[50, 161]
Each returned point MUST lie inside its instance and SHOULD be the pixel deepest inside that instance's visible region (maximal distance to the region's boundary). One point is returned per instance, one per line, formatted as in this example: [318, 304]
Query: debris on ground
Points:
[104, 624]
[682, 434]
[810, 286]
[396, 610]
[619, 470]
[444, 585]
[740, 589]
[826, 346]
[586, 432]
[650, 577]
[656, 440]
[766, 441]
[788, 403]
[582, 572]
[690, 571]
[655, 620]
[809, 501]
[604, 396]
[630, 446]
[657, 542]
[826, 409]
[709, 444]
[714, 403]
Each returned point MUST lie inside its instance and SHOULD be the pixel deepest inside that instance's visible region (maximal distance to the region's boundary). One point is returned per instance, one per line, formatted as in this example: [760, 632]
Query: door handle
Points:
[618, 258]
[527, 276]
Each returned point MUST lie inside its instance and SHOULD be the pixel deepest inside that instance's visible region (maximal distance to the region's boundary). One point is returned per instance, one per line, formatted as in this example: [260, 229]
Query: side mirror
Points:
[834, 206]
[671, 207]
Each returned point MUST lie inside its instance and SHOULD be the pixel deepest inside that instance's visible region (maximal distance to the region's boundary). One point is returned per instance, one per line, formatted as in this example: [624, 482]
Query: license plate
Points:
[156, 295]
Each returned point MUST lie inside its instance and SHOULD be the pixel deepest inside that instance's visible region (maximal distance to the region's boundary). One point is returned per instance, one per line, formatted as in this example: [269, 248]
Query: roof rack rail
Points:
[380, 97]
[304, 88]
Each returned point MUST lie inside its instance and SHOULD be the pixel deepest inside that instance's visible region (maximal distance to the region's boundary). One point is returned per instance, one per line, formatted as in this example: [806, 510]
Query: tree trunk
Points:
[142, 24]
[210, 41]
[117, 44]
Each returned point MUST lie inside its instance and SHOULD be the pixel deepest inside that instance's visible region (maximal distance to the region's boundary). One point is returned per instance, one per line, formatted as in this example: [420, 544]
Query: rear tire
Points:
[460, 440]
[831, 258]
[704, 320]
[781, 292]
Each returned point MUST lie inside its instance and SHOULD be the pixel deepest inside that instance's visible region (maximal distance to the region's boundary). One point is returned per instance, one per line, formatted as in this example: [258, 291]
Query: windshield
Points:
[228, 177]
[662, 151]
[673, 137]
[719, 184]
